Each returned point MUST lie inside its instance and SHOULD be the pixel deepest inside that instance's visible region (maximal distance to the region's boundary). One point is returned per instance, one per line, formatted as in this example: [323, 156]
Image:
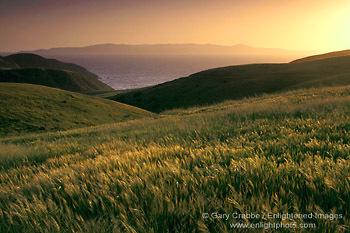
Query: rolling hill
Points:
[7, 64]
[34, 108]
[235, 82]
[342, 53]
[34, 69]
[62, 79]
[29, 60]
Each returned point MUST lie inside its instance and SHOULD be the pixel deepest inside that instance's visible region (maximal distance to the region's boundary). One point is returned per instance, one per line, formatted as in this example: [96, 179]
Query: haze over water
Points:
[129, 71]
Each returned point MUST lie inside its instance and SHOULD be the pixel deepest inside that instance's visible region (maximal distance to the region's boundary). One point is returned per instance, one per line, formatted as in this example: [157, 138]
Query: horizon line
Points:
[155, 44]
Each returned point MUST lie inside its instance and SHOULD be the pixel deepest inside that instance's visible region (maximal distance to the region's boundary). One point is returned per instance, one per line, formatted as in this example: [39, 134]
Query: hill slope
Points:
[62, 79]
[33, 108]
[274, 154]
[236, 82]
[34, 69]
[342, 53]
[7, 64]
[29, 60]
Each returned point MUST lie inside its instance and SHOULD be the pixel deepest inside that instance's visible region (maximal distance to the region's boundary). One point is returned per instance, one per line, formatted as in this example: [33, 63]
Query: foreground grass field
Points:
[282, 154]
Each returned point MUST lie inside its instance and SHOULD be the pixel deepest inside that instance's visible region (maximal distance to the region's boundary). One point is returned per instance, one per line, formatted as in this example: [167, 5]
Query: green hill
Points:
[34, 69]
[29, 60]
[33, 108]
[269, 155]
[7, 64]
[235, 82]
[342, 53]
[62, 79]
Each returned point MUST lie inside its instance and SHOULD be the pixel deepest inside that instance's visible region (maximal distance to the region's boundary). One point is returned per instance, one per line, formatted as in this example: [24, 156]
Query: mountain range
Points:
[238, 49]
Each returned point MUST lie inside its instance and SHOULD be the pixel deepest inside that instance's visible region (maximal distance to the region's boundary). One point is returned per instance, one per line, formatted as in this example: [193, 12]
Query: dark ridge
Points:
[29, 60]
[62, 79]
[235, 82]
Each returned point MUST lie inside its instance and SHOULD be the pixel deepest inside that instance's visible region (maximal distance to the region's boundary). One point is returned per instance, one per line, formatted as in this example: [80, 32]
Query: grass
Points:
[33, 108]
[106, 94]
[286, 153]
[236, 82]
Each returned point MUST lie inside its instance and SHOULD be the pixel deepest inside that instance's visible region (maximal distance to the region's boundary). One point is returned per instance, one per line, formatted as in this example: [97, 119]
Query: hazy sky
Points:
[322, 25]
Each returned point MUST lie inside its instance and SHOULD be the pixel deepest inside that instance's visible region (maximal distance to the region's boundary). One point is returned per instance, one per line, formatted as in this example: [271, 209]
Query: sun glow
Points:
[298, 24]
[343, 31]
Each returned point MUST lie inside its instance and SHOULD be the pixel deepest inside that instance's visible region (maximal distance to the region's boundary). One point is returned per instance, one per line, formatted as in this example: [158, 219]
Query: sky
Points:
[322, 25]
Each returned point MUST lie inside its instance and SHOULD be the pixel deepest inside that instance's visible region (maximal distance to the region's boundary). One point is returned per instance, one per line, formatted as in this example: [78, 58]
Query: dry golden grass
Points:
[275, 153]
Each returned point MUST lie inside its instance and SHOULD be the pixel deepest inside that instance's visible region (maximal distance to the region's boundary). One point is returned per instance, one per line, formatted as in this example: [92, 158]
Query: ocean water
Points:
[135, 70]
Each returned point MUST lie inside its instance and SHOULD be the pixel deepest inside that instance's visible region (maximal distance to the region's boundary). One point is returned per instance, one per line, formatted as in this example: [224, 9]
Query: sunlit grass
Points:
[275, 153]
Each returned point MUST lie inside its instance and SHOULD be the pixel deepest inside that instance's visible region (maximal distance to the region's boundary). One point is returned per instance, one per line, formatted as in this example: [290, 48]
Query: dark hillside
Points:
[235, 82]
[6, 64]
[62, 79]
[29, 60]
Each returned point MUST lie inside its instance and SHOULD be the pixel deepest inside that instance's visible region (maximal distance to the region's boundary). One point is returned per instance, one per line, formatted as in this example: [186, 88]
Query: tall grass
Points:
[280, 154]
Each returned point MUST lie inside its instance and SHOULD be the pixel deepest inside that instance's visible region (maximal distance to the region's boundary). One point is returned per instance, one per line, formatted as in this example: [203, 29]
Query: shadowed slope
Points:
[234, 82]
[62, 79]
[28, 60]
[7, 64]
[34, 69]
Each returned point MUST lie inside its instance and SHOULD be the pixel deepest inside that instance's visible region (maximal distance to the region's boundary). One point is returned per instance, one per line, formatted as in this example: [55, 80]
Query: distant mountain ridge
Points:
[34, 69]
[238, 49]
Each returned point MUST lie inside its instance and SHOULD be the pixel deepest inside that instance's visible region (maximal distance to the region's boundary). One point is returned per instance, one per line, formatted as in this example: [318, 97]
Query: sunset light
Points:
[159, 116]
[299, 25]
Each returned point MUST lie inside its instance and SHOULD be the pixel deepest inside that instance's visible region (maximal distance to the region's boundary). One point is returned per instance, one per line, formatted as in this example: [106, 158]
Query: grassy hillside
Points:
[285, 153]
[34, 69]
[62, 79]
[33, 108]
[29, 60]
[342, 53]
[235, 82]
[6, 64]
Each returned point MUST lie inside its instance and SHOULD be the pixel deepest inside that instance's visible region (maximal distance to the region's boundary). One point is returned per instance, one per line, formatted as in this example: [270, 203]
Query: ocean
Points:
[138, 70]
